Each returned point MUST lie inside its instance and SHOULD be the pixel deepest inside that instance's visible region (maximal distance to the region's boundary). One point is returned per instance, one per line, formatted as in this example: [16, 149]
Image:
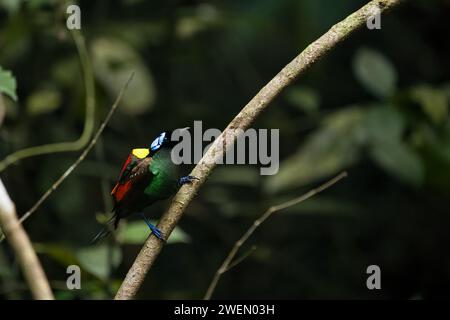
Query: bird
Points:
[147, 176]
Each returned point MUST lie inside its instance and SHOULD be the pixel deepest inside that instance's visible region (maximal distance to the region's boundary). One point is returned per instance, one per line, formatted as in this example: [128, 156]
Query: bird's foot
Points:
[186, 179]
[158, 233]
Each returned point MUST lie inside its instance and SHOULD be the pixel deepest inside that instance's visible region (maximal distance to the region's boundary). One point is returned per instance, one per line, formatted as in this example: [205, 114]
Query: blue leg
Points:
[186, 179]
[154, 229]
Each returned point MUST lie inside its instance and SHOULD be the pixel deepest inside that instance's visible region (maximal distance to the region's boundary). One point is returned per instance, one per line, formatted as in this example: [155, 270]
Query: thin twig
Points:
[243, 120]
[88, 122]
[240, 259]
[80, 158]
[227, 264]
[23, 249]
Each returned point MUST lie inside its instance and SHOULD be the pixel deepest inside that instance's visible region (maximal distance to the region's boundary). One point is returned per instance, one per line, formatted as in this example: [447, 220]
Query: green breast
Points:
[165, 179]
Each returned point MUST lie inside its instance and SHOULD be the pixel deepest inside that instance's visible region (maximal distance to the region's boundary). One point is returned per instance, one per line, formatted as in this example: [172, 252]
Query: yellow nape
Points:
[140, 152]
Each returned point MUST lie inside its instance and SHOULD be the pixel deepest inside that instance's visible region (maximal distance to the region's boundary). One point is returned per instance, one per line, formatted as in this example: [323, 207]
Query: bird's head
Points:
[164, 140]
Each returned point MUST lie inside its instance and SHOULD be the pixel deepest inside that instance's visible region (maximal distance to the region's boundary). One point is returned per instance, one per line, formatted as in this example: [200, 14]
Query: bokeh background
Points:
[376, 106]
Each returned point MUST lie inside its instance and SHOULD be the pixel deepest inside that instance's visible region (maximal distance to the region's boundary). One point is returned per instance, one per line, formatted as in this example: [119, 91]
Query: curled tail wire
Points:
[105, 231]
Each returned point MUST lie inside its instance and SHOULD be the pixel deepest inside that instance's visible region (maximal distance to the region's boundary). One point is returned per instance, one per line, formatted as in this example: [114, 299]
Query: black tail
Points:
[105, 231]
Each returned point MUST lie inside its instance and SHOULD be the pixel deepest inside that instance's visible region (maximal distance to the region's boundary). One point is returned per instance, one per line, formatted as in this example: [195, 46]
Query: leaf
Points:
[8, 84]
[114, 61]
[384, 123]
[375, 72]
[43, 101]
[385, 127]
[333, 147]
[11, 6]
[136, 232]
[61, 254]
[188, 25]
[399, 160]
[304, 98]
[66, 295]
[96, 259]
[434, 102]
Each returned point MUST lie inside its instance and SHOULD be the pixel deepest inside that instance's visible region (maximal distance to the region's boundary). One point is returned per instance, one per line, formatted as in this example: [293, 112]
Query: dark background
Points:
[376, 106]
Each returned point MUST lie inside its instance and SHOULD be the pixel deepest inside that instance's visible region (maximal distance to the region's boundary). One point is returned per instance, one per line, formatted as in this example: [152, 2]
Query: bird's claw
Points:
[186, 179]
[158, 233]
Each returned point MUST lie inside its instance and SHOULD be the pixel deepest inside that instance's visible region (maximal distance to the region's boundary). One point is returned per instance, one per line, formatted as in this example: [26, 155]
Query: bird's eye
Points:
[157, 143]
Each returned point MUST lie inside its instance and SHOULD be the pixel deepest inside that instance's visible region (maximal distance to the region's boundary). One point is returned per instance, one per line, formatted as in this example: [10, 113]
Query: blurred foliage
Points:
[114, 61]
[8, 84]
[137, 232]
[376, 106]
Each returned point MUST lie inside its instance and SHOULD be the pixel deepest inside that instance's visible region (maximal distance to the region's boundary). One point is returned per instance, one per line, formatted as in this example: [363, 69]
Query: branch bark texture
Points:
[243, 120]
[21, 244]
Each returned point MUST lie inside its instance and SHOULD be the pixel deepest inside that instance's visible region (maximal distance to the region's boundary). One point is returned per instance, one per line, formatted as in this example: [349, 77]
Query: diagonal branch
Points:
[243, 120]
[227, 264]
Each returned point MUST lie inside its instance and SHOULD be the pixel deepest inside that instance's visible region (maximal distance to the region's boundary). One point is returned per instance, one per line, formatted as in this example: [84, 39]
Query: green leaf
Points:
[375, 72]
[99, 259]
[192, 23]
[399, 160]
[304, 98]
[66, 295]
[43, 101]
[11, 6]
[8, 84]
[434, 102]
[114, 61]
[385, 127]
[333, 147]
[136, 232]
[61, 254]
[384, 123]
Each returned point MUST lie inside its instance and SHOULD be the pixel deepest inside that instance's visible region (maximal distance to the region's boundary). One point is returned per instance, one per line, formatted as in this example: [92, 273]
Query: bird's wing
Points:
[141, 169]
[133, 171]
[129, 164]
[135, 157]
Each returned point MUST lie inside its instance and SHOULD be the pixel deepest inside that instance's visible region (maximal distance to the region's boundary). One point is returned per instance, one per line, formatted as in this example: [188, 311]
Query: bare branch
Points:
[227, 264]
[23, 249]
[243, 120]
[239, 260]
